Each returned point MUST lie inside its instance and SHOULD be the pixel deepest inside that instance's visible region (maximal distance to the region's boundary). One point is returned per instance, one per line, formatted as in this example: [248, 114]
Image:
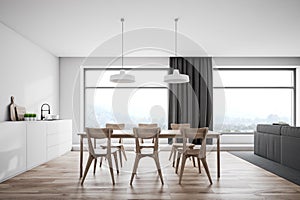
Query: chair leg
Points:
[101, 159]
[88, 164]
[206, 169]
[193, 158]
[116, 162]
[178, 160]
[182, 167]
[171, 153]
[174, 157]
[156, 158]
[124, 154]
[199, 165]
[111, 168]
[136, 162]
[120, 155]
[95, 164]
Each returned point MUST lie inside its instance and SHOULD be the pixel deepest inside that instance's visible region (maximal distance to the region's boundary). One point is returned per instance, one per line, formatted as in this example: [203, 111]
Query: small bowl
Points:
[55, 116]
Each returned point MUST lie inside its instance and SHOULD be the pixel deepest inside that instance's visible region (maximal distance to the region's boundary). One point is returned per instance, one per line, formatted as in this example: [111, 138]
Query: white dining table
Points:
[163, 134]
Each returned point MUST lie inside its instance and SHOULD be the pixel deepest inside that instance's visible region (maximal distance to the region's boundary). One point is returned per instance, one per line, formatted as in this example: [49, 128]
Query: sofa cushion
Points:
[290, 131]
[267, 128]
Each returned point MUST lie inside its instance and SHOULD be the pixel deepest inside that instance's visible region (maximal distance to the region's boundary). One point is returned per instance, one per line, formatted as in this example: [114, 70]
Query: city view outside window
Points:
[244, 98]
[142, 105]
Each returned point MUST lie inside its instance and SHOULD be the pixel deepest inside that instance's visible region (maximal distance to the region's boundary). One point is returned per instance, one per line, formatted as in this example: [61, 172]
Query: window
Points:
[245, 97]
[145, 101]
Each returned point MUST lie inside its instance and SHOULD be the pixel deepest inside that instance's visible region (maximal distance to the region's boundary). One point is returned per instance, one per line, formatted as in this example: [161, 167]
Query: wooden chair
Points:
[141, 125]
[146, 133]
[94, 153]
[119, 145]
[176, 145]
[199, 154]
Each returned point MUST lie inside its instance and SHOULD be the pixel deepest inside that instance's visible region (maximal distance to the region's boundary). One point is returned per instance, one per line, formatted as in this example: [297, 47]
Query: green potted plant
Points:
[34, 117]
[30, 117]
[26, 116]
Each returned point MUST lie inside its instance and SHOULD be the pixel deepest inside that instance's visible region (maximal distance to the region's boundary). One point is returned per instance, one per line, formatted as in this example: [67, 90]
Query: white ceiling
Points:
[70, 28]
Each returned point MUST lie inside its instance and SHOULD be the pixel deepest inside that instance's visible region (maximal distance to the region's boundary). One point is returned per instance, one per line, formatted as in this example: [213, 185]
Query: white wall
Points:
[28, 73]
[69, 94]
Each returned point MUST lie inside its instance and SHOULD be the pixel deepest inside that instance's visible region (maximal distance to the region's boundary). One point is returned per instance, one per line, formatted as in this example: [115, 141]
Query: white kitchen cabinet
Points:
[24, 145]
[59, 138]
[12, 149]
[36, 144]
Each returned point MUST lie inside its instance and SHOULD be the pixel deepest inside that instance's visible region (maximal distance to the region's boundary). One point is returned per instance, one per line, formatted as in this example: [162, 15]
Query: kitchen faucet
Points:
[42, 110]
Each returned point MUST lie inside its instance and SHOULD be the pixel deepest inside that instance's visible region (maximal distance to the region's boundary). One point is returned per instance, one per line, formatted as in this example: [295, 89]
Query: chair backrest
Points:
[148, 125]
[175, 126]
[115, 126]
[146, 133]
[141, 125]
[195, 133]
[98, 133]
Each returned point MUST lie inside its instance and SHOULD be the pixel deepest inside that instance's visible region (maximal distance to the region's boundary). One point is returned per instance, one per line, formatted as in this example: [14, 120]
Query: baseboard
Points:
[237, 147]
[167, 147]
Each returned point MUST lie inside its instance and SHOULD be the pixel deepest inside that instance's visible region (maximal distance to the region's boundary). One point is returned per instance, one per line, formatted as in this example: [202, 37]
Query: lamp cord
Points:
[122, 20]
[176, 20]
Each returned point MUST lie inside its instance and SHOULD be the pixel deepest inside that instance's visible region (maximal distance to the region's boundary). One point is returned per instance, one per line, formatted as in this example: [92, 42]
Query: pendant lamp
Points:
[122, 77]
[176, 77]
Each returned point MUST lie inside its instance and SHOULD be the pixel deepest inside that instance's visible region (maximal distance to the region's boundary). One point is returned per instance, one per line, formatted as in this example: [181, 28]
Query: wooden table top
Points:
[163, 134]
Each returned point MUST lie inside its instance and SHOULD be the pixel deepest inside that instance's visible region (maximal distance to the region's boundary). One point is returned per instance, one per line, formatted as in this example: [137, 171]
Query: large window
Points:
[145, 101]
[245, 97]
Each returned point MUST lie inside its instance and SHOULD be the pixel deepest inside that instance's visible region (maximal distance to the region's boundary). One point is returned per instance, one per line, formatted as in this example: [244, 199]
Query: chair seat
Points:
[190, 151]
[116, 144]
[103, 152]
[112, 145]
[147, 148]
[178, 145]
[147, 145]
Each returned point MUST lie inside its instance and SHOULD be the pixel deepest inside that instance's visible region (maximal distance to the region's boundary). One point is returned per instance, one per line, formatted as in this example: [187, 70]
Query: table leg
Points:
[81, 156]
[218, 156]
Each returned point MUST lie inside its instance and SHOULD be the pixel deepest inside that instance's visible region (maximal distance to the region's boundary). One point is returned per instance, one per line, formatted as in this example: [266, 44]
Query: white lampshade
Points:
[122, 77]
[176, 77]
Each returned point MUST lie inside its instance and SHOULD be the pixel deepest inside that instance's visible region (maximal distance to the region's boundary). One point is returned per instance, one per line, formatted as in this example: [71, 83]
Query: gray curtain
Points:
[192, 102]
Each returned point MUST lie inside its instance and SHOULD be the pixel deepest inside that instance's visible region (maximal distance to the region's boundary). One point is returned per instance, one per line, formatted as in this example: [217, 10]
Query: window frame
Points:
[293, 87]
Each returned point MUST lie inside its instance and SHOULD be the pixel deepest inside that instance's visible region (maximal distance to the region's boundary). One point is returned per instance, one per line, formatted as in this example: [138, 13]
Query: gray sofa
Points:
[280, 143]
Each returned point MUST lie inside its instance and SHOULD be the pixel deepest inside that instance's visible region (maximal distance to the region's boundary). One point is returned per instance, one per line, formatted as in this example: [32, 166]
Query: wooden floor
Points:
[59, 179]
